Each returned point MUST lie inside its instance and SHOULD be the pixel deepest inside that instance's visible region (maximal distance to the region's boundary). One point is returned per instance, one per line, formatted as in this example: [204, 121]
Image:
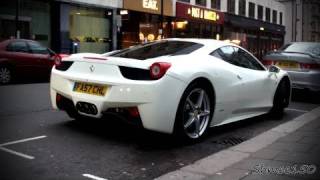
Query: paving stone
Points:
[306, 134]
[295, 157]
[315, 149]
[253, 163]
[258, 142]
[181, 175]
[229, 174]
[286, 146]
[298, 123]
[266, 153]
[216, 162]
[309, 140]
[294, 137]
[269, 177]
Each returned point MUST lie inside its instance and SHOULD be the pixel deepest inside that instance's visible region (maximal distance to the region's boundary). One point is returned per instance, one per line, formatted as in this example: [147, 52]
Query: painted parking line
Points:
[2, 148]
[298, 110]
[93, 177]
[16, 153]
[22, 140]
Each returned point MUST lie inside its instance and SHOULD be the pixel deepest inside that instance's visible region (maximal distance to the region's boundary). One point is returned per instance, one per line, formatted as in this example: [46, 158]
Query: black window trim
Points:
[233, 46]
[194, 46]
[30, 50]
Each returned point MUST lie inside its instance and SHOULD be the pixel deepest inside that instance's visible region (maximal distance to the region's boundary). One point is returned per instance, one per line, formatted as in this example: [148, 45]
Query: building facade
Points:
[84, 26]
[71, 26]
[29, 19]
[144, 21]
[255, 24]
[67, 26]
[302, 20]
[195, 20]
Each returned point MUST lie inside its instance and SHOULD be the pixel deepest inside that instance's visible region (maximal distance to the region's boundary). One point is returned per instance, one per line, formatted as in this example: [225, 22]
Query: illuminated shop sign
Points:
[203, 14]
[193, 12]
[150, 4]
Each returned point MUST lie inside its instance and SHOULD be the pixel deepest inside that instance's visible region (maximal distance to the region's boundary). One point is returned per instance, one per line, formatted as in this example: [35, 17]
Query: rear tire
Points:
[194, 113]
[5, 75]
[281, 99]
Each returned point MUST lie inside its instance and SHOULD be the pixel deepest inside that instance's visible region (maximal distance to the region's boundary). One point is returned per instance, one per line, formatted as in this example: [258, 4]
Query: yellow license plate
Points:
[88, 88]
[288, 65]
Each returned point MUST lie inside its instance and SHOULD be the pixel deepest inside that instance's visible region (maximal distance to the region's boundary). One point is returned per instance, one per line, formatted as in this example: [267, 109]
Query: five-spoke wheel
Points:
[194, 112]
[5, 75]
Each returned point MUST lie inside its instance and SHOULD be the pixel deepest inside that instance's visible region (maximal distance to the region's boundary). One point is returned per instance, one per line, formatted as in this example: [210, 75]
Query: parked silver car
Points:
[302, 62]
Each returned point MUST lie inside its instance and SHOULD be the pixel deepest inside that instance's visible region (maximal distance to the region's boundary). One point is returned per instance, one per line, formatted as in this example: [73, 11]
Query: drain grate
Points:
[229, 141]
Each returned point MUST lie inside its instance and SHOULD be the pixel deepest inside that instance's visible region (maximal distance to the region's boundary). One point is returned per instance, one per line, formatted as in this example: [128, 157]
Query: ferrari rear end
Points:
[93, 85]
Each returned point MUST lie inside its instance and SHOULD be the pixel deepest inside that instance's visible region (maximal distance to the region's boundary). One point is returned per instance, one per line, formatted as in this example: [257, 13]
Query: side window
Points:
[36, 48]
[18, 46]
[225, 53]
[243, 59]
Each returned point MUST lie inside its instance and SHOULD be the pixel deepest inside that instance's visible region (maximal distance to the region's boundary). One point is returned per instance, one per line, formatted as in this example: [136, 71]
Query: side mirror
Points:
[274, 69]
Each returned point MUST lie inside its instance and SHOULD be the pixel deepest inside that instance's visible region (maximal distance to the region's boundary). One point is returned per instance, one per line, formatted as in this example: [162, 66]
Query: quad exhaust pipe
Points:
[87, 108]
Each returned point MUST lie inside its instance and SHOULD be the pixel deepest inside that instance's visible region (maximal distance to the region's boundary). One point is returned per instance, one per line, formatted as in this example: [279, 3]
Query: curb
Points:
[218, 161]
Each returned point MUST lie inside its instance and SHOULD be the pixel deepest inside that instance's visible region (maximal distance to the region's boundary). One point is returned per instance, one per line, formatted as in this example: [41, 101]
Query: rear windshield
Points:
[311, 48]
[157, 49]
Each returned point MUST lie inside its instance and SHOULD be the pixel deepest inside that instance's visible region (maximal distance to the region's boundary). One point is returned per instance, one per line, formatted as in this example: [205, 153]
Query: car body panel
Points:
[239, 93]
[302, 78]
[25, 64]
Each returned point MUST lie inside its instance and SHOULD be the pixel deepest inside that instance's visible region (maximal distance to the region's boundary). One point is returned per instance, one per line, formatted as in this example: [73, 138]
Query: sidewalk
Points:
[290, 151]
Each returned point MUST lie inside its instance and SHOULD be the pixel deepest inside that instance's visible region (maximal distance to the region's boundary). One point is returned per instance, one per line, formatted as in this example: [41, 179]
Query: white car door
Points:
[258, 86]
[227, 85]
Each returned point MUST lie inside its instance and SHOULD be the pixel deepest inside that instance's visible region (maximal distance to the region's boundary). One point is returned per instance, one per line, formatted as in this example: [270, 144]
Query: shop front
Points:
[197, 22]
[82, 27]
[144, 21]
[257, 36]
[27, 19]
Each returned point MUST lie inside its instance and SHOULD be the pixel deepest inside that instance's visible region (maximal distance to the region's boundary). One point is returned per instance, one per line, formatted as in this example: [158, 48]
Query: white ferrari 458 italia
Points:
[175, 86]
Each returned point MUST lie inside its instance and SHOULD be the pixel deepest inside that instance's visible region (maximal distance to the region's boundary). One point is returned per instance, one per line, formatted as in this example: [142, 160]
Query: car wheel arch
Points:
[6, 63]
[209, 87]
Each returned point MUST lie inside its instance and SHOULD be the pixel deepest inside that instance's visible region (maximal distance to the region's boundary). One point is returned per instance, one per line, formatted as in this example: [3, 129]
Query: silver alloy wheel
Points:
[5, 75]
[196, 113]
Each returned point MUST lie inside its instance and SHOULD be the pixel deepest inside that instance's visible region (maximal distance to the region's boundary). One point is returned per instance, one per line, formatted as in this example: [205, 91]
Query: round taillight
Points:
[157, 70]
[57, 60]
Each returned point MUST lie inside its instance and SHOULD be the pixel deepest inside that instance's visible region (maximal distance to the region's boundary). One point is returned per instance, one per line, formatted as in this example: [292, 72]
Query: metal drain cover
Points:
[229, 141]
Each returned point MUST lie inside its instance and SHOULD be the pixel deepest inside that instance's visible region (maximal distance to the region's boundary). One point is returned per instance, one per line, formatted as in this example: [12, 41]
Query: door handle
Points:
[239, 77]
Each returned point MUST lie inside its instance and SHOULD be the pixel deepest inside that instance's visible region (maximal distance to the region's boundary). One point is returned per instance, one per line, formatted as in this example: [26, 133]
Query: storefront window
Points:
[187, 1]
[193, 29]
[201, 2]
[231, 6]
[34, 20]
[252, 9]
[215, 4]
[140, 28]
[89, 29]
[268, 14]
[260, 12]
[274, 16]
[242, 7]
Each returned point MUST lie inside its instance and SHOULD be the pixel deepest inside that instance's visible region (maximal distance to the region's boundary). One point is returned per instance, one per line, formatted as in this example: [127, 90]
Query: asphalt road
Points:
[65, 149]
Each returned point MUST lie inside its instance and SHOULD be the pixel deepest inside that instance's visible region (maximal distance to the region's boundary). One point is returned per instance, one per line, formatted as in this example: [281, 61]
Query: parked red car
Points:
[24, 58]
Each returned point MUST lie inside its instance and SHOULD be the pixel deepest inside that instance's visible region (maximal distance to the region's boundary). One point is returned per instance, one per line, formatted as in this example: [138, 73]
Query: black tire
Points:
[281, 99]
[5, 75]
[183, 126]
